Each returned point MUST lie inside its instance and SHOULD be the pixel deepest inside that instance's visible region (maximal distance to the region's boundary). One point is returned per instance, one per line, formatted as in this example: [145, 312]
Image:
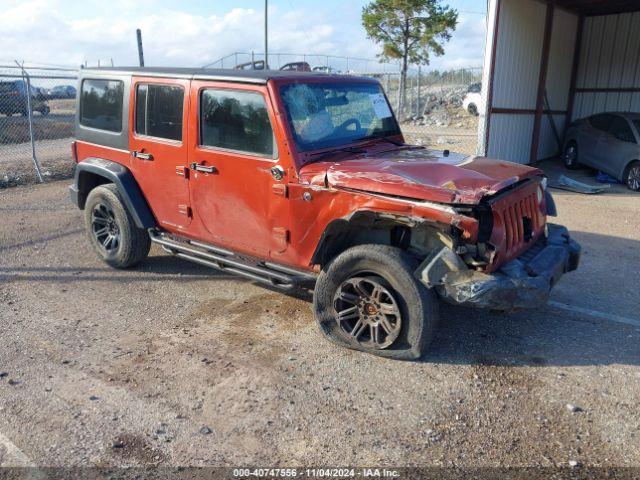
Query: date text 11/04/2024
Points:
[316, 473]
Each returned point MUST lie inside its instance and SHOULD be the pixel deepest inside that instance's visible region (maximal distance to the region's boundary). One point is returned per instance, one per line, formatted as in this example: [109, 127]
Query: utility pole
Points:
[140, 52]
[266, 35]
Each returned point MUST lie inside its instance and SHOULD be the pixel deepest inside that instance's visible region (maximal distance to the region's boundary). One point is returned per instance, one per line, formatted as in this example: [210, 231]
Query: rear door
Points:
[158, 143]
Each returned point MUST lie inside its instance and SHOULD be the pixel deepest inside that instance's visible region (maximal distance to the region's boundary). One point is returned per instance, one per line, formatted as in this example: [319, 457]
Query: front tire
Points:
[111, 230]
[368, 299]
[632, 176]
[570, 156]
[473, 109]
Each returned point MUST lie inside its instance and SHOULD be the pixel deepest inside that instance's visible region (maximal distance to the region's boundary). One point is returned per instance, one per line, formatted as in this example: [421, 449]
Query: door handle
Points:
[141, 155]
[198, 167]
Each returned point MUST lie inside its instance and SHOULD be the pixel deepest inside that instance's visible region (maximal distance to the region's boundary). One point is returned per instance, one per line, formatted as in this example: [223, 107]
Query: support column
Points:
[574, 71]
[488, 73]
[542, 83]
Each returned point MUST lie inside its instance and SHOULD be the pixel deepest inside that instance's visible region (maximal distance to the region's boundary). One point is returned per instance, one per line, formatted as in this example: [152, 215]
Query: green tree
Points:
[409, 30]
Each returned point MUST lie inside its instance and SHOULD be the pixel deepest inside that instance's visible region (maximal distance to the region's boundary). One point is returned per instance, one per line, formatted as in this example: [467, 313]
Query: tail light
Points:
[74, 151]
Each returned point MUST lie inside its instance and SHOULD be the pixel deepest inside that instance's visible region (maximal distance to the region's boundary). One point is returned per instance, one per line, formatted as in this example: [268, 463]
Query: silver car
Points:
[609, 142]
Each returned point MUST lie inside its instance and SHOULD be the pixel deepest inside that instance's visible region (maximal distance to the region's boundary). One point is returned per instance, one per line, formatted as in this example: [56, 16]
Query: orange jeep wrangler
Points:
[303, 180]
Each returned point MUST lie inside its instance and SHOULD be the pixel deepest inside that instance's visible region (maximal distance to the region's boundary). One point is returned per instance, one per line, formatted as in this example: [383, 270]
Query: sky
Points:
[198, 32]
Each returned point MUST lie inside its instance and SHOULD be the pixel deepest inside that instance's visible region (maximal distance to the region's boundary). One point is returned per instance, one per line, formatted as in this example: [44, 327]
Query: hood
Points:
[418, 173]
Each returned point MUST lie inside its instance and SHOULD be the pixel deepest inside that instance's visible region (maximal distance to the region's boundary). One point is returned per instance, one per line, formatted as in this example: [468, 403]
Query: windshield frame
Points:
[337, 80]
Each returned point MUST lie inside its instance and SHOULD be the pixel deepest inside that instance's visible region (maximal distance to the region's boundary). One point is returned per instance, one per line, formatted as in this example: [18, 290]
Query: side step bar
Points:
[272, 274]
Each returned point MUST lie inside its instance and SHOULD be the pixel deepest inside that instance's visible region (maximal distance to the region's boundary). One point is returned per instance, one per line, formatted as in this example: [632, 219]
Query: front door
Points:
[615, 147]
[590, 148]
[238, 188]
[158, 144]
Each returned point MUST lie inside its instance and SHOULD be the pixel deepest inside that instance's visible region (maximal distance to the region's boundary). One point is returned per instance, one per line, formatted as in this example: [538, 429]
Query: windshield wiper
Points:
[388, 139]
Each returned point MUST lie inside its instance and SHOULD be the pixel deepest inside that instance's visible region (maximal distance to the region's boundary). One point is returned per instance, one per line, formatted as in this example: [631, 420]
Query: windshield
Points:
[332, 114]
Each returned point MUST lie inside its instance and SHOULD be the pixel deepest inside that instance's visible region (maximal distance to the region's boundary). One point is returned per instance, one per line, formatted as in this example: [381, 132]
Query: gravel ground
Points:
[173, 364]
[16, 164]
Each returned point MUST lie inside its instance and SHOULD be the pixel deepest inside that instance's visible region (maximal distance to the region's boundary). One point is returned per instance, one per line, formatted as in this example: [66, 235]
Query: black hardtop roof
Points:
[247, 76]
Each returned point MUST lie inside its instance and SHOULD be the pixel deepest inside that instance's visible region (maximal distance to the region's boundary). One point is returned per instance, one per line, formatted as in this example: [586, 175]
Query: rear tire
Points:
[111, 230]
[44, 111]
[632, 176]
[570, 155]
[384, 310]
[473, 109]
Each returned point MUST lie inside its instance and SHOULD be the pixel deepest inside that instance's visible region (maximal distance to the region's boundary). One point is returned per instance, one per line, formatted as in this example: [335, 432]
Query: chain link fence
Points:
[434, 113]
[304, 61]
[37, 115]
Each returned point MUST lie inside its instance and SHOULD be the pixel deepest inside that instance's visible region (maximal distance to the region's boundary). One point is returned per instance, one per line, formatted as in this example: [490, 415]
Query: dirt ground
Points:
[16, 162]
[174, 364]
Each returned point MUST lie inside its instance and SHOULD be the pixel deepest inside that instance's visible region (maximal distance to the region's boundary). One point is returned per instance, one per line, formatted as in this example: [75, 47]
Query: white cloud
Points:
[39, 31]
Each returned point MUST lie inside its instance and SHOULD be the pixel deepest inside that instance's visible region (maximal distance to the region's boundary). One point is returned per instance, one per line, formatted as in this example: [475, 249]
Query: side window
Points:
[159, 111]
[101, 104]
[621, 130]
[601, 122]
[235, 120]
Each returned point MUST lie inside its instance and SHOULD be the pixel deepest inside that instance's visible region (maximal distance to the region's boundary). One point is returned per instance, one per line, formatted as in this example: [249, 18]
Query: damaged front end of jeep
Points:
[511, 260]
[478, 226]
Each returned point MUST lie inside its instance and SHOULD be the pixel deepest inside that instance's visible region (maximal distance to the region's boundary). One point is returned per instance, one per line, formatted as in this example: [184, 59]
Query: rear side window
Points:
[159, 111]
[601, 122]
[621, 130]
[101, 104]
[235, 120]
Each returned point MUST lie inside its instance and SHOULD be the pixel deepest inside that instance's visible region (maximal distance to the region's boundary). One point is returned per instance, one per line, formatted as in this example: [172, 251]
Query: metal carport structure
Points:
[548, 62]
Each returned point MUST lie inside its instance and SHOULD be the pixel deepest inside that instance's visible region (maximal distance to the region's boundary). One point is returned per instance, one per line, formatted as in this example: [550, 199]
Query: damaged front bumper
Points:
[520, 284]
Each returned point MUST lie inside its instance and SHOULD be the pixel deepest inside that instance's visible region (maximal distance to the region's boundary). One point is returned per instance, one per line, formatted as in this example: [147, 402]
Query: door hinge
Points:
[280, 189]
[184, 210]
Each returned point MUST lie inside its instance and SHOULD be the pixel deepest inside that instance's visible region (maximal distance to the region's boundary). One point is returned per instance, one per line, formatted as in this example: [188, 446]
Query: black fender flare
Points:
[85, 180]
[552, 211]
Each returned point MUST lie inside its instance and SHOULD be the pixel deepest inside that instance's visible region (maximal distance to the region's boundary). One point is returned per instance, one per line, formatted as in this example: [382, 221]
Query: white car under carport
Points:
[609, 142]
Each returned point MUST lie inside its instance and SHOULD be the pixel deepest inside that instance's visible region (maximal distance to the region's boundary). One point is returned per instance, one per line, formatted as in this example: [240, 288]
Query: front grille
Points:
[521, 219]
[514, 222]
